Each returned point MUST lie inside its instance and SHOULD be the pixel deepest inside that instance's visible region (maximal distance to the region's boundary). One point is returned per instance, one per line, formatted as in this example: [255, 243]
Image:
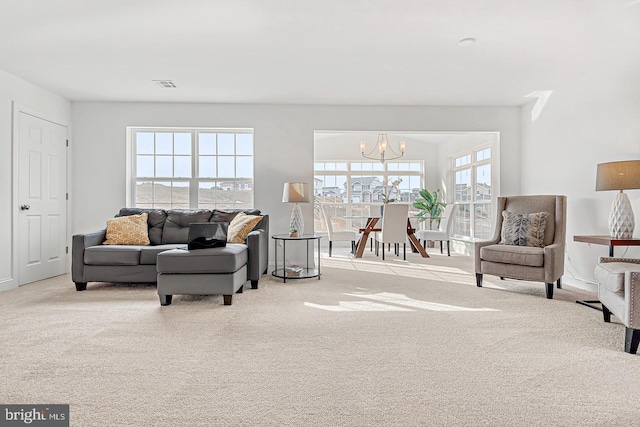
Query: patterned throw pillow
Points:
[240, 227]
[523, 229]
[128, 230]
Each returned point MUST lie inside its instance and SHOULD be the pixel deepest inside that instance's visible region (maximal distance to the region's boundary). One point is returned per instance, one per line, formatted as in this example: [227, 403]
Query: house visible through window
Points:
[191, 168]
[355, 189]
[473, 193]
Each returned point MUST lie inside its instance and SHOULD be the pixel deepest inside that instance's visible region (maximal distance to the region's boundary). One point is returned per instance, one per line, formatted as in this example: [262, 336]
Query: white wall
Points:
[596, 120]
[283, 140]
[13, 89]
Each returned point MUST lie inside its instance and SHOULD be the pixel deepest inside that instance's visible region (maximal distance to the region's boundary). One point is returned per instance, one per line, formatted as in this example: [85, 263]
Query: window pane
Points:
[225, 166]
[415, 167]
[463, 185]
[462, 218]
[144, 193]
[144, 166]
[164, 143]
[244, 144]
[206, 143]
[378, 167]
[144, 142]
[483, 182]
[341, 166]
[330, 166]
[392, 166]
[207, 195]
[164, 166]
[182, 143]
[318, 166]
[207, 166]
[483, 154]
[180, 195]
[162, 195]
[225, 143]
[182, 166]
[482, 221]
[464, 160]
[244, 167]
[356, 166]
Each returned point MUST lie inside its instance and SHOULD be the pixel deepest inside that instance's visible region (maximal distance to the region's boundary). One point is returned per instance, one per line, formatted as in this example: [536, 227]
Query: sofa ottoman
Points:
[202, 272]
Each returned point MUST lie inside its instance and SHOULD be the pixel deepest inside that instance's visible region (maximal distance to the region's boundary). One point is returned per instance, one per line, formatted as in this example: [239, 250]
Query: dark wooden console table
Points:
[606, 241]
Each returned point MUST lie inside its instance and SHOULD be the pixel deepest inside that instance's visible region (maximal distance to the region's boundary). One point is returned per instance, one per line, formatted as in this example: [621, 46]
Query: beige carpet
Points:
[293, 355]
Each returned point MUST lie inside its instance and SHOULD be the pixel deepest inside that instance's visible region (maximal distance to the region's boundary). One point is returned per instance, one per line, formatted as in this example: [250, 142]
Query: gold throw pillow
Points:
[240, 227]
[128, 230]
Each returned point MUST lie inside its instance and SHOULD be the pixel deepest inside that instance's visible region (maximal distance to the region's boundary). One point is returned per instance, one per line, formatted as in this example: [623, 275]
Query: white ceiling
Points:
[370, 52]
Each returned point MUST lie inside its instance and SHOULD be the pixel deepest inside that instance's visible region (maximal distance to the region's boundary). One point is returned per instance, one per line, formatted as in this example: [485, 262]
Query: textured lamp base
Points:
[621, 221]
[296, 222]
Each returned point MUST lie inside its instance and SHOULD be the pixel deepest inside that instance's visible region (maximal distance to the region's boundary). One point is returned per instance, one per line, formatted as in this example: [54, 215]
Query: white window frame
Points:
[350, 174]
[194, 180]
[473, 165]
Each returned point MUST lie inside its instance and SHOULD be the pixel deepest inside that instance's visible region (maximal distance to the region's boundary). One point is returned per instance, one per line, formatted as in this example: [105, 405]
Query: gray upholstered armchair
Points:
[619, 293]
[538, 264]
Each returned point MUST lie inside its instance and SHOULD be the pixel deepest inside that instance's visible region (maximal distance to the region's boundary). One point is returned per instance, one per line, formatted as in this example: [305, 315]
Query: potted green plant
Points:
[430, 206]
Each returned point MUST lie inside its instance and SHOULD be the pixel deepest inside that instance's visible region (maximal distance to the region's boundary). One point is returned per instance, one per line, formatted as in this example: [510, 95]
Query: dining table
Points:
[370, 227]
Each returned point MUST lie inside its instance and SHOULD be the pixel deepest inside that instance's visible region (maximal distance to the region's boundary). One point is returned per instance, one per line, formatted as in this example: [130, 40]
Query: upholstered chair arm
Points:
[479, 245]
[612, 259]
[553, 262]
[632, 296]
[79, 244]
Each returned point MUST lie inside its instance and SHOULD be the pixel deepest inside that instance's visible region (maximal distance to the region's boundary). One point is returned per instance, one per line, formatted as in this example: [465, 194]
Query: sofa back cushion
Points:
[227, 215]
[155, 221]
[176, 227]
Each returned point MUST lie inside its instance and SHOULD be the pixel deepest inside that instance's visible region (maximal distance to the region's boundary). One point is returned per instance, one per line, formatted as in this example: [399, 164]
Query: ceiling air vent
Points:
[165, 83]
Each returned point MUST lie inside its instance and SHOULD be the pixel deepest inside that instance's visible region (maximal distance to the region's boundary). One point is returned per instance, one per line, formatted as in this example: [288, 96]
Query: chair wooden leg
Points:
[424, 245]
[404, 251]
[441, 247]
[353, 246]
[448, 247]
[383, 251]
[330, 247]
[606, 314]
[559, 283]
[479, 280]
[549, 290]
[227, 299]
[631, 340]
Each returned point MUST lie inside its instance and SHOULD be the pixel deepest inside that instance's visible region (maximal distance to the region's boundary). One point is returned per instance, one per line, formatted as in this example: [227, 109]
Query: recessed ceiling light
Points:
[167, 84]
[469, 41]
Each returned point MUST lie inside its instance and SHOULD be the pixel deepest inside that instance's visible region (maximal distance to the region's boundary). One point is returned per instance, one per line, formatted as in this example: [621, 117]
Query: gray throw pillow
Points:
[523, 229]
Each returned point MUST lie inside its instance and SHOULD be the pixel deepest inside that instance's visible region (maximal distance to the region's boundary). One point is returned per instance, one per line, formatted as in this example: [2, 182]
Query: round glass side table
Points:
[295, 271]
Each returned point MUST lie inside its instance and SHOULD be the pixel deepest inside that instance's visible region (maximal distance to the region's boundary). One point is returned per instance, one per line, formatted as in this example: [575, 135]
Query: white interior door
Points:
[42, 193]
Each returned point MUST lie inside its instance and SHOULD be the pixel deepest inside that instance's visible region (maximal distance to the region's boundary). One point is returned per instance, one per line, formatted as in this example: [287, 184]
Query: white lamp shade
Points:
[296, 192]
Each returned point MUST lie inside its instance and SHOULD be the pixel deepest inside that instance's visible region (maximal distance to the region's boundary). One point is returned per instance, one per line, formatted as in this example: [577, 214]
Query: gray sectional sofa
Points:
[168, 230]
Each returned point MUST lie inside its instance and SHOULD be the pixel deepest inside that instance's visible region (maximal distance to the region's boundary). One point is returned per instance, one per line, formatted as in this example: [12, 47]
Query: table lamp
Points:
[296, 192]
[620, 176]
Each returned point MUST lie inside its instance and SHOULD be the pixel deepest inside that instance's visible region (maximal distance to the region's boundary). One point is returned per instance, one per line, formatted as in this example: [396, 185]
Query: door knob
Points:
[24, 207]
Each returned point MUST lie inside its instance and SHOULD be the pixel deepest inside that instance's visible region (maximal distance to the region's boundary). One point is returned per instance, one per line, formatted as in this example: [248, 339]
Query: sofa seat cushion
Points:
[508, 254]
[112, 255]
[611, 275]
[148, 254]
[215, 260]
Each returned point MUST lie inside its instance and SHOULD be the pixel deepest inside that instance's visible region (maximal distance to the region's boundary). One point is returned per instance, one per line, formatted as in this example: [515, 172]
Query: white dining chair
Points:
[394, 227]
[442, 233]
[337, 236]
